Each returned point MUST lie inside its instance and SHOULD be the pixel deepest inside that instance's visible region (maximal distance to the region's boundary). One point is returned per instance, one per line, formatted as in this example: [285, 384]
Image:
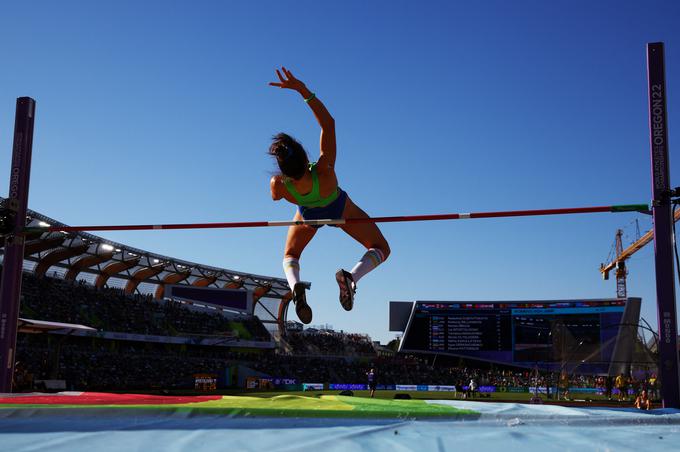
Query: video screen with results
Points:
[518, 333]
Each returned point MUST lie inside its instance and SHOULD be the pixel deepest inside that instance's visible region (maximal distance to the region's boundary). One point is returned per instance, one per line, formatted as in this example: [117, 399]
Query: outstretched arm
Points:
[326, 121]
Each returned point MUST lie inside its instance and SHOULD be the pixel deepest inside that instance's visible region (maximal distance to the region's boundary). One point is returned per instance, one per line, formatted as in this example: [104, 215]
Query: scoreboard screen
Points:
[521, 333]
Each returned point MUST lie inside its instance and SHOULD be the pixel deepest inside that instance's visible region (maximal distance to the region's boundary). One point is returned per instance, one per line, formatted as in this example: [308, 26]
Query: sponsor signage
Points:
[586, 390]
[407, 388]
[481, 388]
[441, 388]
[386, 387]
[452, 388]
[347, 387]
[516, 389]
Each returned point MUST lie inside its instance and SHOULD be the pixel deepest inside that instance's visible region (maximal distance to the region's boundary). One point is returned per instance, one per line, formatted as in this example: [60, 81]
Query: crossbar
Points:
[342, 221]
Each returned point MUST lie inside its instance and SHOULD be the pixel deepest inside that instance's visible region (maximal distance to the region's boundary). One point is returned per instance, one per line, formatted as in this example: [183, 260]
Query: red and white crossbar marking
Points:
[255, 224]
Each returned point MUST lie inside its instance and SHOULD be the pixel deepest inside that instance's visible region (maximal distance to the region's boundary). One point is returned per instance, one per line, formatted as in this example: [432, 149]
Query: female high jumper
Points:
[313, 187]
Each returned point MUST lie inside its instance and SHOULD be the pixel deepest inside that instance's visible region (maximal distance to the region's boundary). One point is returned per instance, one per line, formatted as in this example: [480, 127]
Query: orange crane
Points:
[619, 263]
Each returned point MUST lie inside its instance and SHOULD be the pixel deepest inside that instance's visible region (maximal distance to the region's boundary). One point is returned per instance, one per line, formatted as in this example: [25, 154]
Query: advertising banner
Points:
[280, 381]
[541, 389]
[407, 388]
[347, 387]
[586, 390]
[441, 388]
[517, 389]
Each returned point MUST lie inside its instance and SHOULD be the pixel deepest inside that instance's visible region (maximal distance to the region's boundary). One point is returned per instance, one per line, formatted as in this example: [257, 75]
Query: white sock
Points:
[291, 267]
[368, 262]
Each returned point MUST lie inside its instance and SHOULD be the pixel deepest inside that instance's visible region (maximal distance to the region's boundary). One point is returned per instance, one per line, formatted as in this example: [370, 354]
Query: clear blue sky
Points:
[154, 112]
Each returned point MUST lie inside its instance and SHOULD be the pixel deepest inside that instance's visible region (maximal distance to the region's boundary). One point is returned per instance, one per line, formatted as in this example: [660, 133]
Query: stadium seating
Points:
[111, 309]
[330, 344]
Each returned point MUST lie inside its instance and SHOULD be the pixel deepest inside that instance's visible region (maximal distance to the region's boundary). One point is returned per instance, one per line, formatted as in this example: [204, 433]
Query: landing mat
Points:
[327, 406]
[111, 423]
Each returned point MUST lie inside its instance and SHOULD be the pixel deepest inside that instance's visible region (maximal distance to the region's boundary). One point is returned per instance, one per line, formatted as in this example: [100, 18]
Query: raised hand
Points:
[289, 81]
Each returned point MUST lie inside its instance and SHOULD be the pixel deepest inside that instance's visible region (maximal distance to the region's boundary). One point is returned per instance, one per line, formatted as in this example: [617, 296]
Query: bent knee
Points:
[384, 249]
[291, 253]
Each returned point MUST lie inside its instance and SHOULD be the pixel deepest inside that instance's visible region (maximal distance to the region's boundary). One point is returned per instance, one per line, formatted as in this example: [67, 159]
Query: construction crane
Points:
[619, 263]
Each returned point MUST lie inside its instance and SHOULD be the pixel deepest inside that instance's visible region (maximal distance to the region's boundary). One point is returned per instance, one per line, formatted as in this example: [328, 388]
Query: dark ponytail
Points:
[290, 155]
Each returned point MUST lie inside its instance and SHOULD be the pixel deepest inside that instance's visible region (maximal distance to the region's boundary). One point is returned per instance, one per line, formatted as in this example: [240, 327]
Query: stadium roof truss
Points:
[76, 256]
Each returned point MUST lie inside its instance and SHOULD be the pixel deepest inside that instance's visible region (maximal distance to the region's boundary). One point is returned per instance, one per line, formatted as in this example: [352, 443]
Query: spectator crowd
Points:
[330, 343]
[110, 309]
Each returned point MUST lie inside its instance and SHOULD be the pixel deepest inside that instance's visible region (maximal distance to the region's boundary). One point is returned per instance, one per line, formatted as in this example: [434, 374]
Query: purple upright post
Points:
[663, 224]
[17, 203]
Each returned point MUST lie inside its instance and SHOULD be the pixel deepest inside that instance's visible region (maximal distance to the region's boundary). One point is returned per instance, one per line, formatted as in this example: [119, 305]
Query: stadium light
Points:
[42, 224]
[107, 247]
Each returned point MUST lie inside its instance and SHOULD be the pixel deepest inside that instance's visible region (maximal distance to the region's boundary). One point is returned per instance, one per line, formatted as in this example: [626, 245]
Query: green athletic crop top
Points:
[313, 198]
